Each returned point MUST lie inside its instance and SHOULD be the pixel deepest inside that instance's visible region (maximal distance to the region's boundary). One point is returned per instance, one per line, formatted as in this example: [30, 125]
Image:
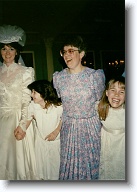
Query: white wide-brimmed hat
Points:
[10, 34]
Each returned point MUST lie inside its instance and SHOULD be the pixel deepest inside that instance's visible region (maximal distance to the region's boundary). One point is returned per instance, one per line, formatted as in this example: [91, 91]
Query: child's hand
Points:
[20, 136]
[52, 136]
[19, 133]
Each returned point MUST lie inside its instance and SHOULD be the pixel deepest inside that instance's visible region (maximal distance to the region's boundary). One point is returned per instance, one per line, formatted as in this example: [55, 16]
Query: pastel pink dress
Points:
[80, 133]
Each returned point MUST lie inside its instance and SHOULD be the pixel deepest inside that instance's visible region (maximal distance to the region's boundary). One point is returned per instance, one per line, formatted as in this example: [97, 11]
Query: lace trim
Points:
[9, 69]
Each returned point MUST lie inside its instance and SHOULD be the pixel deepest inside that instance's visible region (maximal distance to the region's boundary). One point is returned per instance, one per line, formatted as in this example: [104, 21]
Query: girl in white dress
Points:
[111, 109]
[16, 157]
[46, 110]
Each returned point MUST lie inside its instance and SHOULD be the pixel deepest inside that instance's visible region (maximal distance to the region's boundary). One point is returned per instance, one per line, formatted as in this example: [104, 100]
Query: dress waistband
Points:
[115, 132]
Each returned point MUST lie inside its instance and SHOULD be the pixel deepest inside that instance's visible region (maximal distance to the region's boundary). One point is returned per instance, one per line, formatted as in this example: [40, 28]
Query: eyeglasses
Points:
[69, 51]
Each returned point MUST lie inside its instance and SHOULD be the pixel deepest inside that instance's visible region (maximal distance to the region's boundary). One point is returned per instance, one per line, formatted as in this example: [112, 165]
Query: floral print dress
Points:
[80, 132]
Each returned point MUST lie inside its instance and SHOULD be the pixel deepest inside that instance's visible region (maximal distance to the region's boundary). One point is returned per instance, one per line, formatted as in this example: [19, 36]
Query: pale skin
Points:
[116, 95]
[8, 54]
[73, 61]
[39, 100]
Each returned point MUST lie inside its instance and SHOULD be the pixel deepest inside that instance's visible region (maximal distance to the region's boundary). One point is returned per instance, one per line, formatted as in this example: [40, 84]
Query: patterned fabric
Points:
[80, 133]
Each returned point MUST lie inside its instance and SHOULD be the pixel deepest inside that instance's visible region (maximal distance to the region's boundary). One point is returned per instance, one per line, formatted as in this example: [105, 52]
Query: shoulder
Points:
[34, 106]
[26, 69]
[58, 109]
[98, 75]
[59, 76]
[60, 73]
[27, 72]
[118, 111]
[95, 71]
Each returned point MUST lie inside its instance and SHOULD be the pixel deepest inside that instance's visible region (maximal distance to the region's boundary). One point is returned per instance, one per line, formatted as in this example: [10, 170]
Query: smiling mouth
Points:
[68, 60]
[115, 100]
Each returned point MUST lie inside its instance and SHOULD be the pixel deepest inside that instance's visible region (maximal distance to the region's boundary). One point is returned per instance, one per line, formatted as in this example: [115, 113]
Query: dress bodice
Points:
[115, 119]
[79, 91]
[13, 82]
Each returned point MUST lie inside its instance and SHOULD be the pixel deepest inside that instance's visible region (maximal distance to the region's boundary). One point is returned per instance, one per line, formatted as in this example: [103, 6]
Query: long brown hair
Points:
[103, 106]
[47, 92]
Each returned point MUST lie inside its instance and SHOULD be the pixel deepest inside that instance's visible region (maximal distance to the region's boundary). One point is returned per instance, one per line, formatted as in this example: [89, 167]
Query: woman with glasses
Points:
[79, 87]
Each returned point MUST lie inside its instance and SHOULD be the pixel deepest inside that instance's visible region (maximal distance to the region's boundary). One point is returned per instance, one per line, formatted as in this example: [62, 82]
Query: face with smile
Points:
[72, 57]
[8, 54]
[116, 95]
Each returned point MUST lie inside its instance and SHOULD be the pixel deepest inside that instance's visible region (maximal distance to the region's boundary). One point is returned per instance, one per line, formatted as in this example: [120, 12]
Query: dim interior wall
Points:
[39, 59]
[47, 54]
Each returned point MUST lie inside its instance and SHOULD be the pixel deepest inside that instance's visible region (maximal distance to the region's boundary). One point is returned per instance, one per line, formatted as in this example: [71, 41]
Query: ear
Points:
[82, 53]
[107, 93]
[61, 54]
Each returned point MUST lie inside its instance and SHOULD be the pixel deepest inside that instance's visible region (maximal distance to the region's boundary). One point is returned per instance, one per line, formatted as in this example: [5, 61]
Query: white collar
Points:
[11, 67]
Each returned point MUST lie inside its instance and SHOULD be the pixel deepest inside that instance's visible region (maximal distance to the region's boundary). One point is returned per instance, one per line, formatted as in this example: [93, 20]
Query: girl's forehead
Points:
[117, 84]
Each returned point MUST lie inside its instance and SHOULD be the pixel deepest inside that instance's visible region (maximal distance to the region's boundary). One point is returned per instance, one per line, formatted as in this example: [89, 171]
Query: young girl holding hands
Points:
[45, 110]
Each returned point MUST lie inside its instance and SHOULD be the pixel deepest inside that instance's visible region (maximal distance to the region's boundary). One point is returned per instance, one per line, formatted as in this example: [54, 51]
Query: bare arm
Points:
[52, 136]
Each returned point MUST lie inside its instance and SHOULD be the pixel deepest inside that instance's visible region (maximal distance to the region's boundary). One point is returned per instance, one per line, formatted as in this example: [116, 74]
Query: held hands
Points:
[19, 133]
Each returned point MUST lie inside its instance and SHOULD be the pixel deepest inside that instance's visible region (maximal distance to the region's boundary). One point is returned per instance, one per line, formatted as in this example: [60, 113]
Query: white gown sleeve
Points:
[28, 77]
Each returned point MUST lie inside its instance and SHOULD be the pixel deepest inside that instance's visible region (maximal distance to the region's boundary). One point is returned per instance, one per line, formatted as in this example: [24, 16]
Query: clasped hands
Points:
[19, 133]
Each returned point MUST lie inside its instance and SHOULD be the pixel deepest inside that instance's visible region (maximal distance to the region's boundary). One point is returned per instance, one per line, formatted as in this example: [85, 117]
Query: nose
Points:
[7, 51]
[116, 94]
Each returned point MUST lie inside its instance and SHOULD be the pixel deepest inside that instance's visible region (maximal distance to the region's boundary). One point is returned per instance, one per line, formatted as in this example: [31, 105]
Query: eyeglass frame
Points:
[69, 51]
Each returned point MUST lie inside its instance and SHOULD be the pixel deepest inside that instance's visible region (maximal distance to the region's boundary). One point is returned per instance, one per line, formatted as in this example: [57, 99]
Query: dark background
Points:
[100, 22]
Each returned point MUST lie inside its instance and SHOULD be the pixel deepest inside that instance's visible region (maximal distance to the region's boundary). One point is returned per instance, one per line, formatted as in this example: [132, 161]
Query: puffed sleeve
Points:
[99, 83]
[30, 111]
[28, 77]
[56, 82]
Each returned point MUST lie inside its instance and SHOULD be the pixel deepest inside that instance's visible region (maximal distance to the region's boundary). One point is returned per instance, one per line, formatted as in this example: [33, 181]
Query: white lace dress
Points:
[17, 160]
[47, 152]
[112, 159]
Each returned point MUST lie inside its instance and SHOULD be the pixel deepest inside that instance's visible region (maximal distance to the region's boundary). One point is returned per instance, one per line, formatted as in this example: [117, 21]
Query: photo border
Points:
[131, 94]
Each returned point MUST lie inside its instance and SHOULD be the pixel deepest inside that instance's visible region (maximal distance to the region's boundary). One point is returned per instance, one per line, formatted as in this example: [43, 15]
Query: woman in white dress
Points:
[111, 109]
[46, 110]
[16, 163]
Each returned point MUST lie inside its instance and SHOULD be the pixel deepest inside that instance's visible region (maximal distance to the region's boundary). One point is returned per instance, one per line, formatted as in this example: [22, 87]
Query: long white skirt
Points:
[17, 158]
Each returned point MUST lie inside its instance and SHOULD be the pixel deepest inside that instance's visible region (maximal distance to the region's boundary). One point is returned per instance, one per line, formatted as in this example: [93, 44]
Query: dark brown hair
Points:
[47, 92]
[16, 46]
